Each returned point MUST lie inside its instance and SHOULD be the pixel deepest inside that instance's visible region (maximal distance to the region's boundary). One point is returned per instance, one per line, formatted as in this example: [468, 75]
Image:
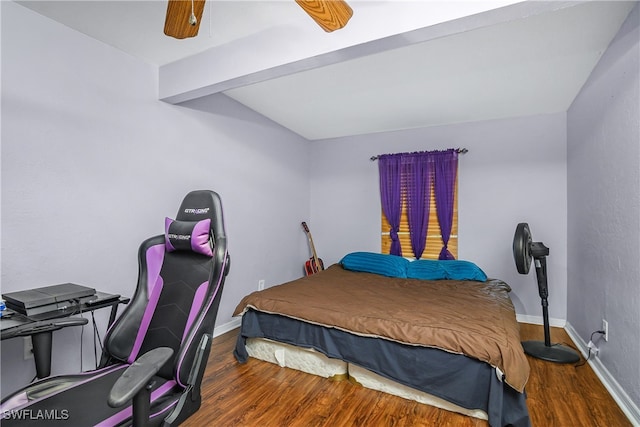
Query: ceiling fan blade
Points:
[331, 15]
[177, 22]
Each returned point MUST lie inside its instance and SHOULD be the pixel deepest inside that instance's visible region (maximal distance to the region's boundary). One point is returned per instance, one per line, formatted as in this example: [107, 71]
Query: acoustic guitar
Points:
[314, 264]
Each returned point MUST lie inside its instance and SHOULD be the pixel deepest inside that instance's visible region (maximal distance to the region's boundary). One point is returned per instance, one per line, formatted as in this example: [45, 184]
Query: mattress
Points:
[315, 363]
[302, 359]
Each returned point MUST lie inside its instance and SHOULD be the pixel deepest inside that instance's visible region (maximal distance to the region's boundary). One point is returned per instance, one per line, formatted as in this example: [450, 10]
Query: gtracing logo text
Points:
[196, 211]
[173, 236]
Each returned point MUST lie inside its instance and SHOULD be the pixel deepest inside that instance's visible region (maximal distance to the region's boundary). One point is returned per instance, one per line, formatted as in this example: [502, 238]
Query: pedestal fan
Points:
[524, 249]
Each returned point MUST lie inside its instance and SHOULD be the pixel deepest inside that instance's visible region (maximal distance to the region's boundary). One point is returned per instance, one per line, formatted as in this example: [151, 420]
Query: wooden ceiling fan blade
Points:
[177, 23]
[331, 15]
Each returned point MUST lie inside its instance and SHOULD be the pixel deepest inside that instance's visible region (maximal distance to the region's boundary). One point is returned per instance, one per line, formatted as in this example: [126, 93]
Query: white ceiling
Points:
[507, 64]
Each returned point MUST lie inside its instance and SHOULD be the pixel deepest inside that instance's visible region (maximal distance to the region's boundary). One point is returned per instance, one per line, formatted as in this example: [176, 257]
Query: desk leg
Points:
[42, 353]
[112, 316]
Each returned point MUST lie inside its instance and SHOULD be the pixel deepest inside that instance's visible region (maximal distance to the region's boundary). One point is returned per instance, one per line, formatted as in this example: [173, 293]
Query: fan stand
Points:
[557, 353]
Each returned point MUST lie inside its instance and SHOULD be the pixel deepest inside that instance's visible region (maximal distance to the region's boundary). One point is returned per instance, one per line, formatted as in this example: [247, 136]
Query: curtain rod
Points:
[458, 150]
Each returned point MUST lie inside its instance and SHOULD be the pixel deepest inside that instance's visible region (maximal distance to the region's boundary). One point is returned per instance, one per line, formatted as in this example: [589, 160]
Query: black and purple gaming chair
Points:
[161, 341]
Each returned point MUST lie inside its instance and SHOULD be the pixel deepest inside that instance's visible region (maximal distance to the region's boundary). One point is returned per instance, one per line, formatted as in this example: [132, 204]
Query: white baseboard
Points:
[221, 329]
[538, 320]
[621, 397]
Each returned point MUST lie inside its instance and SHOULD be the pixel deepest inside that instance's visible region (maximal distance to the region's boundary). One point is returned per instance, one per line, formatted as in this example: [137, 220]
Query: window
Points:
[434, 237]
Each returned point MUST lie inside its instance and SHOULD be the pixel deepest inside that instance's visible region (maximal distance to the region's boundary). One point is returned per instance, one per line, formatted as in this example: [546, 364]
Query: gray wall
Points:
[92, 162]
[603, 176]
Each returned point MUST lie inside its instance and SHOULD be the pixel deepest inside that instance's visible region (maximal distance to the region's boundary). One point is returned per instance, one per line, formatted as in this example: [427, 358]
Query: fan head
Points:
[522, 248]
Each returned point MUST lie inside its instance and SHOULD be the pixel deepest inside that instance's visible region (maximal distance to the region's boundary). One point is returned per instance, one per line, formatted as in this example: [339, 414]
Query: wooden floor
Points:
[262, 394]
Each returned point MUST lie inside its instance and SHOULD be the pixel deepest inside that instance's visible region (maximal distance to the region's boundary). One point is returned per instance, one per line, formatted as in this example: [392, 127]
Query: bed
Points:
[453, 344]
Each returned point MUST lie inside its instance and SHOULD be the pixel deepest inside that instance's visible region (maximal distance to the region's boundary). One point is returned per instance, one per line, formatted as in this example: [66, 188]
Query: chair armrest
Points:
[137, 376]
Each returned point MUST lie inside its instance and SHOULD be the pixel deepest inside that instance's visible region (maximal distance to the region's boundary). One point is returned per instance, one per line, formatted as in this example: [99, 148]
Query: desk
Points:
[41, 328]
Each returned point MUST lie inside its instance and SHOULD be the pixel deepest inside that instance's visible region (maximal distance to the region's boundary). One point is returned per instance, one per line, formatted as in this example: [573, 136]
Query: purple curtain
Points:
[445, 171]
[389, 166]
[417, 184]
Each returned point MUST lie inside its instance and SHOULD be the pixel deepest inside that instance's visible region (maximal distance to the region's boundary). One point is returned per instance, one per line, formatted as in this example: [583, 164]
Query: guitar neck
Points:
[313, 248]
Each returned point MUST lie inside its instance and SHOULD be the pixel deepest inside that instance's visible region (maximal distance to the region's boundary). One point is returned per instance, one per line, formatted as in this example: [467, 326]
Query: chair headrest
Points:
[198, 220]
[199, 205]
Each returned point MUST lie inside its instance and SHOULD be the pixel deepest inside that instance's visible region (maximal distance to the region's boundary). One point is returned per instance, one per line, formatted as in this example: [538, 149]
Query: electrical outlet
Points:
[28, 348]
[260, 284]
[605, 328]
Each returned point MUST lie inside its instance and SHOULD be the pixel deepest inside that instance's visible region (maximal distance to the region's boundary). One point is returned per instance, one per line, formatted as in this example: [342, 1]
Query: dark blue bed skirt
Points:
[459, 379]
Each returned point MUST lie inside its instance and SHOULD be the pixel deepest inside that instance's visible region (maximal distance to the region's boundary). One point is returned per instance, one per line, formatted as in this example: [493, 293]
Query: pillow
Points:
[370, 262]
[188, 236]
[463, 270]
[429, 269]
[426, 269]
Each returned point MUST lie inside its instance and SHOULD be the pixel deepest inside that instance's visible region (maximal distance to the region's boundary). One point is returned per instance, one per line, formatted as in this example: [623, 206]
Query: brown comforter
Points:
[472, 318]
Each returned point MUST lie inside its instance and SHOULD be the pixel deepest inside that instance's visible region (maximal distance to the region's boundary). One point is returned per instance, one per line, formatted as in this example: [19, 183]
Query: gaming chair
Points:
[156, 352]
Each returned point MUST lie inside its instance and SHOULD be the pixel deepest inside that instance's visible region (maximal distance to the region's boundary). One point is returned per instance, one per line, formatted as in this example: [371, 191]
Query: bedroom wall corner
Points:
[603, 175]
